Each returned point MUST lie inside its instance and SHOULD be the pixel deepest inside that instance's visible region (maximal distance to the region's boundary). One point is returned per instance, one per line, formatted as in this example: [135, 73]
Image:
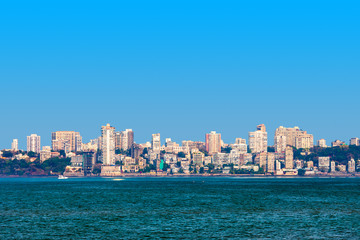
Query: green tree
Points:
[248, 149]
[62, 153]
[97, 169]
[56, 165]
[270, 149]
[7, 154]
[145, 151]
[165, 167]
[226, 150]
[301, 172]
[181, 155]
[31, 154]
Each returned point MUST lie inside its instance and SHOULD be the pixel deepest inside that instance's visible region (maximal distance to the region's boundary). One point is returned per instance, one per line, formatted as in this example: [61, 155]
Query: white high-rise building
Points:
[15, 145]
[33, 143]
[108, 145]
[155, 142]
[354, 141]
[127, 139]
[322, 143]
[258, 140]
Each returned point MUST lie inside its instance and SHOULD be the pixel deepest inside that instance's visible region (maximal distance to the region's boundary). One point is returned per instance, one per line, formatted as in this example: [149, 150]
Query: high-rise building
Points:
[69, 141]
[213, 142]
[263, 160]
[258, 140]
[294, 137]
[155, 142]
[270, 164]
[15, 145]
[127, 139]
[136, 151]
[280, 143]
[322, 143]
[117, 140]
[289, 157]
[33, 143]
[354, 141]
[108, 144]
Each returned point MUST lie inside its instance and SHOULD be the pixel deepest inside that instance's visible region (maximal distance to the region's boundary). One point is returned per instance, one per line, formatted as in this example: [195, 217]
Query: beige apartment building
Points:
[69, 141]
[294, 137]
[258, 140]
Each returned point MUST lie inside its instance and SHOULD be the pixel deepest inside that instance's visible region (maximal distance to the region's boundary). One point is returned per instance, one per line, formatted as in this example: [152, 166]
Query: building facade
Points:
[33, 143]
[69, 141]
[289, 158]
[156, 142]
[108, 145]
[294, 137]
[213, 142]
[322, 143]
[337, 143]
[354, 141]
[258, 140]
[15, 145]
[127, 139]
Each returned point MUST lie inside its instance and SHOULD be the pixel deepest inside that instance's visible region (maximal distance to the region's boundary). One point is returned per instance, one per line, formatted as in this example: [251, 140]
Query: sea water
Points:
[185, 208]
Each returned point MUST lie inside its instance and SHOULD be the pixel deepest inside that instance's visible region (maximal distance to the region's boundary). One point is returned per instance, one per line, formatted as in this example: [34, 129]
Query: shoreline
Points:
[194, 175]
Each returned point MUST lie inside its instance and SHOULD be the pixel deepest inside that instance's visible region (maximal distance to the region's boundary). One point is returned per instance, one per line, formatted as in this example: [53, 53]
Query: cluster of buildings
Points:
[115, 153]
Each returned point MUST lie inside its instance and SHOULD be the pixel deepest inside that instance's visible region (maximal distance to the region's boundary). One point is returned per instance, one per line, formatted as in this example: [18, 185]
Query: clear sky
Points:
[181, 68]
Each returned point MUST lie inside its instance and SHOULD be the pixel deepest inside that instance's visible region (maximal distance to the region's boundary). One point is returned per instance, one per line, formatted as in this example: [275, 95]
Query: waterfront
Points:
[198, 207]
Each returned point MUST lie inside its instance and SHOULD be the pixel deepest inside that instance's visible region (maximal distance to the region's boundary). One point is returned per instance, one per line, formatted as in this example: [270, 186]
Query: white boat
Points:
[62, 177]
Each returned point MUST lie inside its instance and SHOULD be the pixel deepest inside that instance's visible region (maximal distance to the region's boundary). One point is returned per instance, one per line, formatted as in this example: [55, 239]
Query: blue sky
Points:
[181, 68]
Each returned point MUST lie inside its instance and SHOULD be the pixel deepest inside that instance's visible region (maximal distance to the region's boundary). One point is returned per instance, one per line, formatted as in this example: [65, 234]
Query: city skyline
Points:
[115, 153]
[179, 119]
[72, 141]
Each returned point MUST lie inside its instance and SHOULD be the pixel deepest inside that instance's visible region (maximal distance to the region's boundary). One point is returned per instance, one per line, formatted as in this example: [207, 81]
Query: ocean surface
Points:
[180, 208]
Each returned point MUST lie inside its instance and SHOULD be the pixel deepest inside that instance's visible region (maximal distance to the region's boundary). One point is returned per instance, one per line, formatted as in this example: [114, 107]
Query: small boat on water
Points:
[62, 177]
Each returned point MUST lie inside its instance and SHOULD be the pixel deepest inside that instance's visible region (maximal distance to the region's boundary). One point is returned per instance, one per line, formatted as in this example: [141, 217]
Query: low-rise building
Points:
[332, 166]
[322, 143]
[324, 164]
[351, 166]
[310, 164]
[198, 158]
[110, 171]
[341, 168]
[337, 143]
